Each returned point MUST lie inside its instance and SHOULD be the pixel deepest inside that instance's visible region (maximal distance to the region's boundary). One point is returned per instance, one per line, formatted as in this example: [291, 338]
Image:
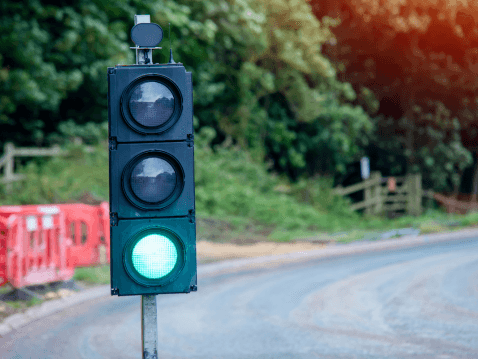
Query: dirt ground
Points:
[211, 252]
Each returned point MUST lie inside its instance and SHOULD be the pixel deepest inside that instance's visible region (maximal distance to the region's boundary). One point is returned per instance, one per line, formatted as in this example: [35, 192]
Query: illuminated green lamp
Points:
[154, 256]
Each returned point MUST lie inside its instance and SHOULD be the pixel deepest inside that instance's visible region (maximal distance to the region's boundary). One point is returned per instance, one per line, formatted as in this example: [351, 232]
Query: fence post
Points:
[418, 193]
[409, 190]
[414, 190]
[9, 150]
[377, 193]
[368, 196]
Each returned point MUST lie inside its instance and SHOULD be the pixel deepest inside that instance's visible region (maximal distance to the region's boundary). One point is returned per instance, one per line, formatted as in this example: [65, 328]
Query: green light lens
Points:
[154, 256]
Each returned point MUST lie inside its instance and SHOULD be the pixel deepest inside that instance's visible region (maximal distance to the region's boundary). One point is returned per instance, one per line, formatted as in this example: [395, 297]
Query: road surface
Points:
[410, 303]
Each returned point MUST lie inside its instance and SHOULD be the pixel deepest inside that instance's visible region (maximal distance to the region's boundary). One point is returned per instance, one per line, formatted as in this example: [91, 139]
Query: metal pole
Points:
[149, 314]
[149, 326]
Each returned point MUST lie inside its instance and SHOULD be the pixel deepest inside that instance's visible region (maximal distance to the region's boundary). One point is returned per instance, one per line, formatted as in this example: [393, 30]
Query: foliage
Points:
[437, 42]
[62, 179]
[412, 54]
[255, 51]
[324, 146]
[230, 183]
[318, 192]
[53, 61]
[89, 133]
[263, 88]
[241, 53]
[436, 146]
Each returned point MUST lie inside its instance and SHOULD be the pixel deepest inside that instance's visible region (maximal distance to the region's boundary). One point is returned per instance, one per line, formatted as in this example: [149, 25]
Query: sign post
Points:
[365, 168]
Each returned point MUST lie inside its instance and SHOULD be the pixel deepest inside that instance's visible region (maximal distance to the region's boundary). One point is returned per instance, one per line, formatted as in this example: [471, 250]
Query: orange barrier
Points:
[44, 243]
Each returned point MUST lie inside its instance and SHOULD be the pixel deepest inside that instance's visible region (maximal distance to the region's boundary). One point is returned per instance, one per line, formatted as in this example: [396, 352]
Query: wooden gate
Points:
[387, 194]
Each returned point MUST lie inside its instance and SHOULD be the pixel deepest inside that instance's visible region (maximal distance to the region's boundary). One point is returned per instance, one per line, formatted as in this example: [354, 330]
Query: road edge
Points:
[228, 266]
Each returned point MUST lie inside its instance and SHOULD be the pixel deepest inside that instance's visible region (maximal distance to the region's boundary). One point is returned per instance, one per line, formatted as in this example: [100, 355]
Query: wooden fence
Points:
[7, 161]
[460, 204]
[379, 199]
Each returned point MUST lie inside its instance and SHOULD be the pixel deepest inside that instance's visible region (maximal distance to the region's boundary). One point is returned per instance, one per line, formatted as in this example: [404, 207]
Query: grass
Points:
[23, 304]
[93, 275]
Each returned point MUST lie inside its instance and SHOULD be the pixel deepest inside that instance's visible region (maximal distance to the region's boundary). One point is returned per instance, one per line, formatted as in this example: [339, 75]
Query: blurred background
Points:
[288, 97]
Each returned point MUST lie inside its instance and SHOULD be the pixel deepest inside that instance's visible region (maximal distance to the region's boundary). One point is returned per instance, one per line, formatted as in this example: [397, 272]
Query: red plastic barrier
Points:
[35, 244]
[84, 228]
[104, 210]
[41, 244]
[3, 250]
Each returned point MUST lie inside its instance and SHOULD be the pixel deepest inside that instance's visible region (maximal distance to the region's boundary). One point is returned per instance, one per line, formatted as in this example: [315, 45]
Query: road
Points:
[411, 303]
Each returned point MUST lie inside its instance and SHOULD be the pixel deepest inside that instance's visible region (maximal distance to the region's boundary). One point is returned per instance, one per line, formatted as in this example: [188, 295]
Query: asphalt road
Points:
[409, 303]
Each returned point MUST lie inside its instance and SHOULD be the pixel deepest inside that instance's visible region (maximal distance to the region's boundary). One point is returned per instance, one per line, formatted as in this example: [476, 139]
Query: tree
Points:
[244, 56]
[53, 61]
[413, 55]
[260, 57]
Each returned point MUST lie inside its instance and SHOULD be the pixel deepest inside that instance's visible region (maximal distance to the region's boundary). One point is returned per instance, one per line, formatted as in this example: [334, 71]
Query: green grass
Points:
[237, 199]
[93, 275]
[22, 304]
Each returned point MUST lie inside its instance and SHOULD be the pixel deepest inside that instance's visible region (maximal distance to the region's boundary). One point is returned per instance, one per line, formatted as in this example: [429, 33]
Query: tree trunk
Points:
[456, 186]
[409, 115]
[475, 181]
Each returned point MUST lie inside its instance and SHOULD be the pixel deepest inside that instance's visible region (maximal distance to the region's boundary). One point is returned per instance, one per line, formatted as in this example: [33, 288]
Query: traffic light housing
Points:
[151, 168]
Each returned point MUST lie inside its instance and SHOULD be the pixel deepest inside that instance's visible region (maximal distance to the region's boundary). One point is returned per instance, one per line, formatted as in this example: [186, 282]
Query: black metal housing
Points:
[121, 81]
[127, 205]
[161, 196]
[182, 281]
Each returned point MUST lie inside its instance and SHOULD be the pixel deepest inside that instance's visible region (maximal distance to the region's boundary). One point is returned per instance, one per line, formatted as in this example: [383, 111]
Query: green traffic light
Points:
[151, 174]
[154, 256]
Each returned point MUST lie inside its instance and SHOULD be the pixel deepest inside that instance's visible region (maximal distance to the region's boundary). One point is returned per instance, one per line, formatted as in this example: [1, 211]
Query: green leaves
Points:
[244, 55]
[54, 60]
[437, 150]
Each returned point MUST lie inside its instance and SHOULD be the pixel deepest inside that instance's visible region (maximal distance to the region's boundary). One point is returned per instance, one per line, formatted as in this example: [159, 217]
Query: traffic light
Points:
[151, 169]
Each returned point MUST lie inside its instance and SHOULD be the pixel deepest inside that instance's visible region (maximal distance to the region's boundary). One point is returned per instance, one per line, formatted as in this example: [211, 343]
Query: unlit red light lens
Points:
[154, 256]
[151, 104]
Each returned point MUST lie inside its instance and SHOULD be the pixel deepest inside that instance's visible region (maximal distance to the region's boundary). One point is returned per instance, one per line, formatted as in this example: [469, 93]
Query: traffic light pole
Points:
[149, 310]
[149, 326]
